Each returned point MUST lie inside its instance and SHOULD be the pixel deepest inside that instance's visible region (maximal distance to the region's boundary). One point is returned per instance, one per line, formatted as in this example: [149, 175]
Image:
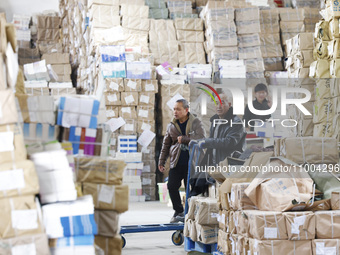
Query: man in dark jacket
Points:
[224, 139]
[183, 128]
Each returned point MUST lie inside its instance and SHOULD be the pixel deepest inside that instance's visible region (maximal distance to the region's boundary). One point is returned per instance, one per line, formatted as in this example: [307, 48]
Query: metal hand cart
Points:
[177, 237]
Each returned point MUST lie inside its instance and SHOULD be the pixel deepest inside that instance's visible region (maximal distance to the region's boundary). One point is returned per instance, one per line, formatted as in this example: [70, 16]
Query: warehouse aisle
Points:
[149, 243]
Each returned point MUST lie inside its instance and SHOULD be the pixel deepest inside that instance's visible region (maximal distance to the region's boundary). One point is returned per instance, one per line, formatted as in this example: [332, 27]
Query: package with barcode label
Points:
[300, 225]
[128, 112]
[132, 85]
[112, 98]
[207, 211]
[146, 113]
[144, 124]
[266, 225]
[129, 98]
[114, 84]
[146, 98]
[150, 86]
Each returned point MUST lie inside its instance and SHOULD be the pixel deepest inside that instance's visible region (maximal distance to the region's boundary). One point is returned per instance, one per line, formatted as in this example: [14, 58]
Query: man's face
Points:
[261, 95]
[222, 109]
[179, 111]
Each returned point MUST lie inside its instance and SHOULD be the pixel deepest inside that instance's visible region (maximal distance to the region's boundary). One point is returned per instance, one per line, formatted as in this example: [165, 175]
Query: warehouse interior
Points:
[173, 127]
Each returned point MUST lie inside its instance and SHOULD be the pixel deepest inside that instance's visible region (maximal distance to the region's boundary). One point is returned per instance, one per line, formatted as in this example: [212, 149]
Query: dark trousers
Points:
[176, 175]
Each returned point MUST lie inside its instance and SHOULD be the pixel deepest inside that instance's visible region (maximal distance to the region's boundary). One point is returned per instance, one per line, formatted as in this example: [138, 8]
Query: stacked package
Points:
[220, 33]
[312, 16]
[303, 3]
[249, 44]
[157, 9]
[270, 40]
[191, 37]
[181, 9]
[172, 88]
[22, 230]
[291, 23]
[163, 42]
[48, 33]
[258, 217]
[60, 64]
[300, 57]
[101, 180]
[70, 226]
[201, 223]
[27, 54]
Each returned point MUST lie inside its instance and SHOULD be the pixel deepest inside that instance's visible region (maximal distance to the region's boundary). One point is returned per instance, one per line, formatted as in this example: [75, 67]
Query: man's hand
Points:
[179, 139]
[161, 169]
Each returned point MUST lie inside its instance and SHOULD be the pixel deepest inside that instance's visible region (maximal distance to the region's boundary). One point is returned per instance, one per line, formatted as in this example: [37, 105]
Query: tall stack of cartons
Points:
[110, 197]
[300, 57]
[191, 37]
[22, 230]
[158, 9]
[249, 44]
[270, 40]
[291, 23]
[48, 31]
[163, 42]
[220, 33]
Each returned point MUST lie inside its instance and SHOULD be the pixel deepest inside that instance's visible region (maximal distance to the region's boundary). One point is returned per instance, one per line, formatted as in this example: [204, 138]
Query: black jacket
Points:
[228, 139]
[250, 116]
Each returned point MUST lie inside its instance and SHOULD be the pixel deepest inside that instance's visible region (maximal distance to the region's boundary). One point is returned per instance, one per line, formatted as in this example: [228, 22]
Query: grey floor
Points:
[149, 243]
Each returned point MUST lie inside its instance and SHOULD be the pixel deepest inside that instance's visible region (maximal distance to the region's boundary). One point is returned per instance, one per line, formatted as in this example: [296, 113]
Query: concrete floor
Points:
[149, 243]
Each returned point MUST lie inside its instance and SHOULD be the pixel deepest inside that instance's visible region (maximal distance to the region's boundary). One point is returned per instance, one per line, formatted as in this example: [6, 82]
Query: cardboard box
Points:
[22, 180]
[249, 40]
[335, 200]
[190, 36]
[248, 27]
[192, 207]
[325, 246]
[129, 98]
[110, 245]
[112, 98]
[277, 194]
[136, 23]
[108, 197]
[34, 244]
[280, 247]
[327, 224]
[127, 112]
[239, 200]
[191, 53]
[162, 30]
[48, 34]
[266, 225]
[134, 11]
[107, 222]
[105, 20]
[291, 148]
[206, 212]
[98, 11]
[189, 24]
[292, 26]
[150, 86]
[250, 52]
[242, 14]
[333, 8]
[223, 220]
[288, 14]
[48, 48]
[8, 111]
[146, 113]
[272, 28]
[300, 225]
[241, 223]
[334, 28]
[62, 69]
[56, 58]
[269, 16]
[48, 21]
[146, 98]
[114, 84]
[206, 234]
[131, 85]
[13, 147]
[21, 216]
[192, 230]
[130, 127]
[272, 51]
[97, 170]
[143, 124]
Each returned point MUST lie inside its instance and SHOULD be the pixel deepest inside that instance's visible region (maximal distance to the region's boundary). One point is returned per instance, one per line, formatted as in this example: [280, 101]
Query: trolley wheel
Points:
[123, 241]
[177, 238]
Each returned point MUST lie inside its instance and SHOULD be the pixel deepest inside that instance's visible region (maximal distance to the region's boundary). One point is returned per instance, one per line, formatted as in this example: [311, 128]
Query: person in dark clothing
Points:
[224, 139]
[183, 128]
[260, 103]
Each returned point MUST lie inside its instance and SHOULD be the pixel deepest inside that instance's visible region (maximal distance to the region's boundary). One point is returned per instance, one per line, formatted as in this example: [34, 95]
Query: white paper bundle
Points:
[70, 218]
